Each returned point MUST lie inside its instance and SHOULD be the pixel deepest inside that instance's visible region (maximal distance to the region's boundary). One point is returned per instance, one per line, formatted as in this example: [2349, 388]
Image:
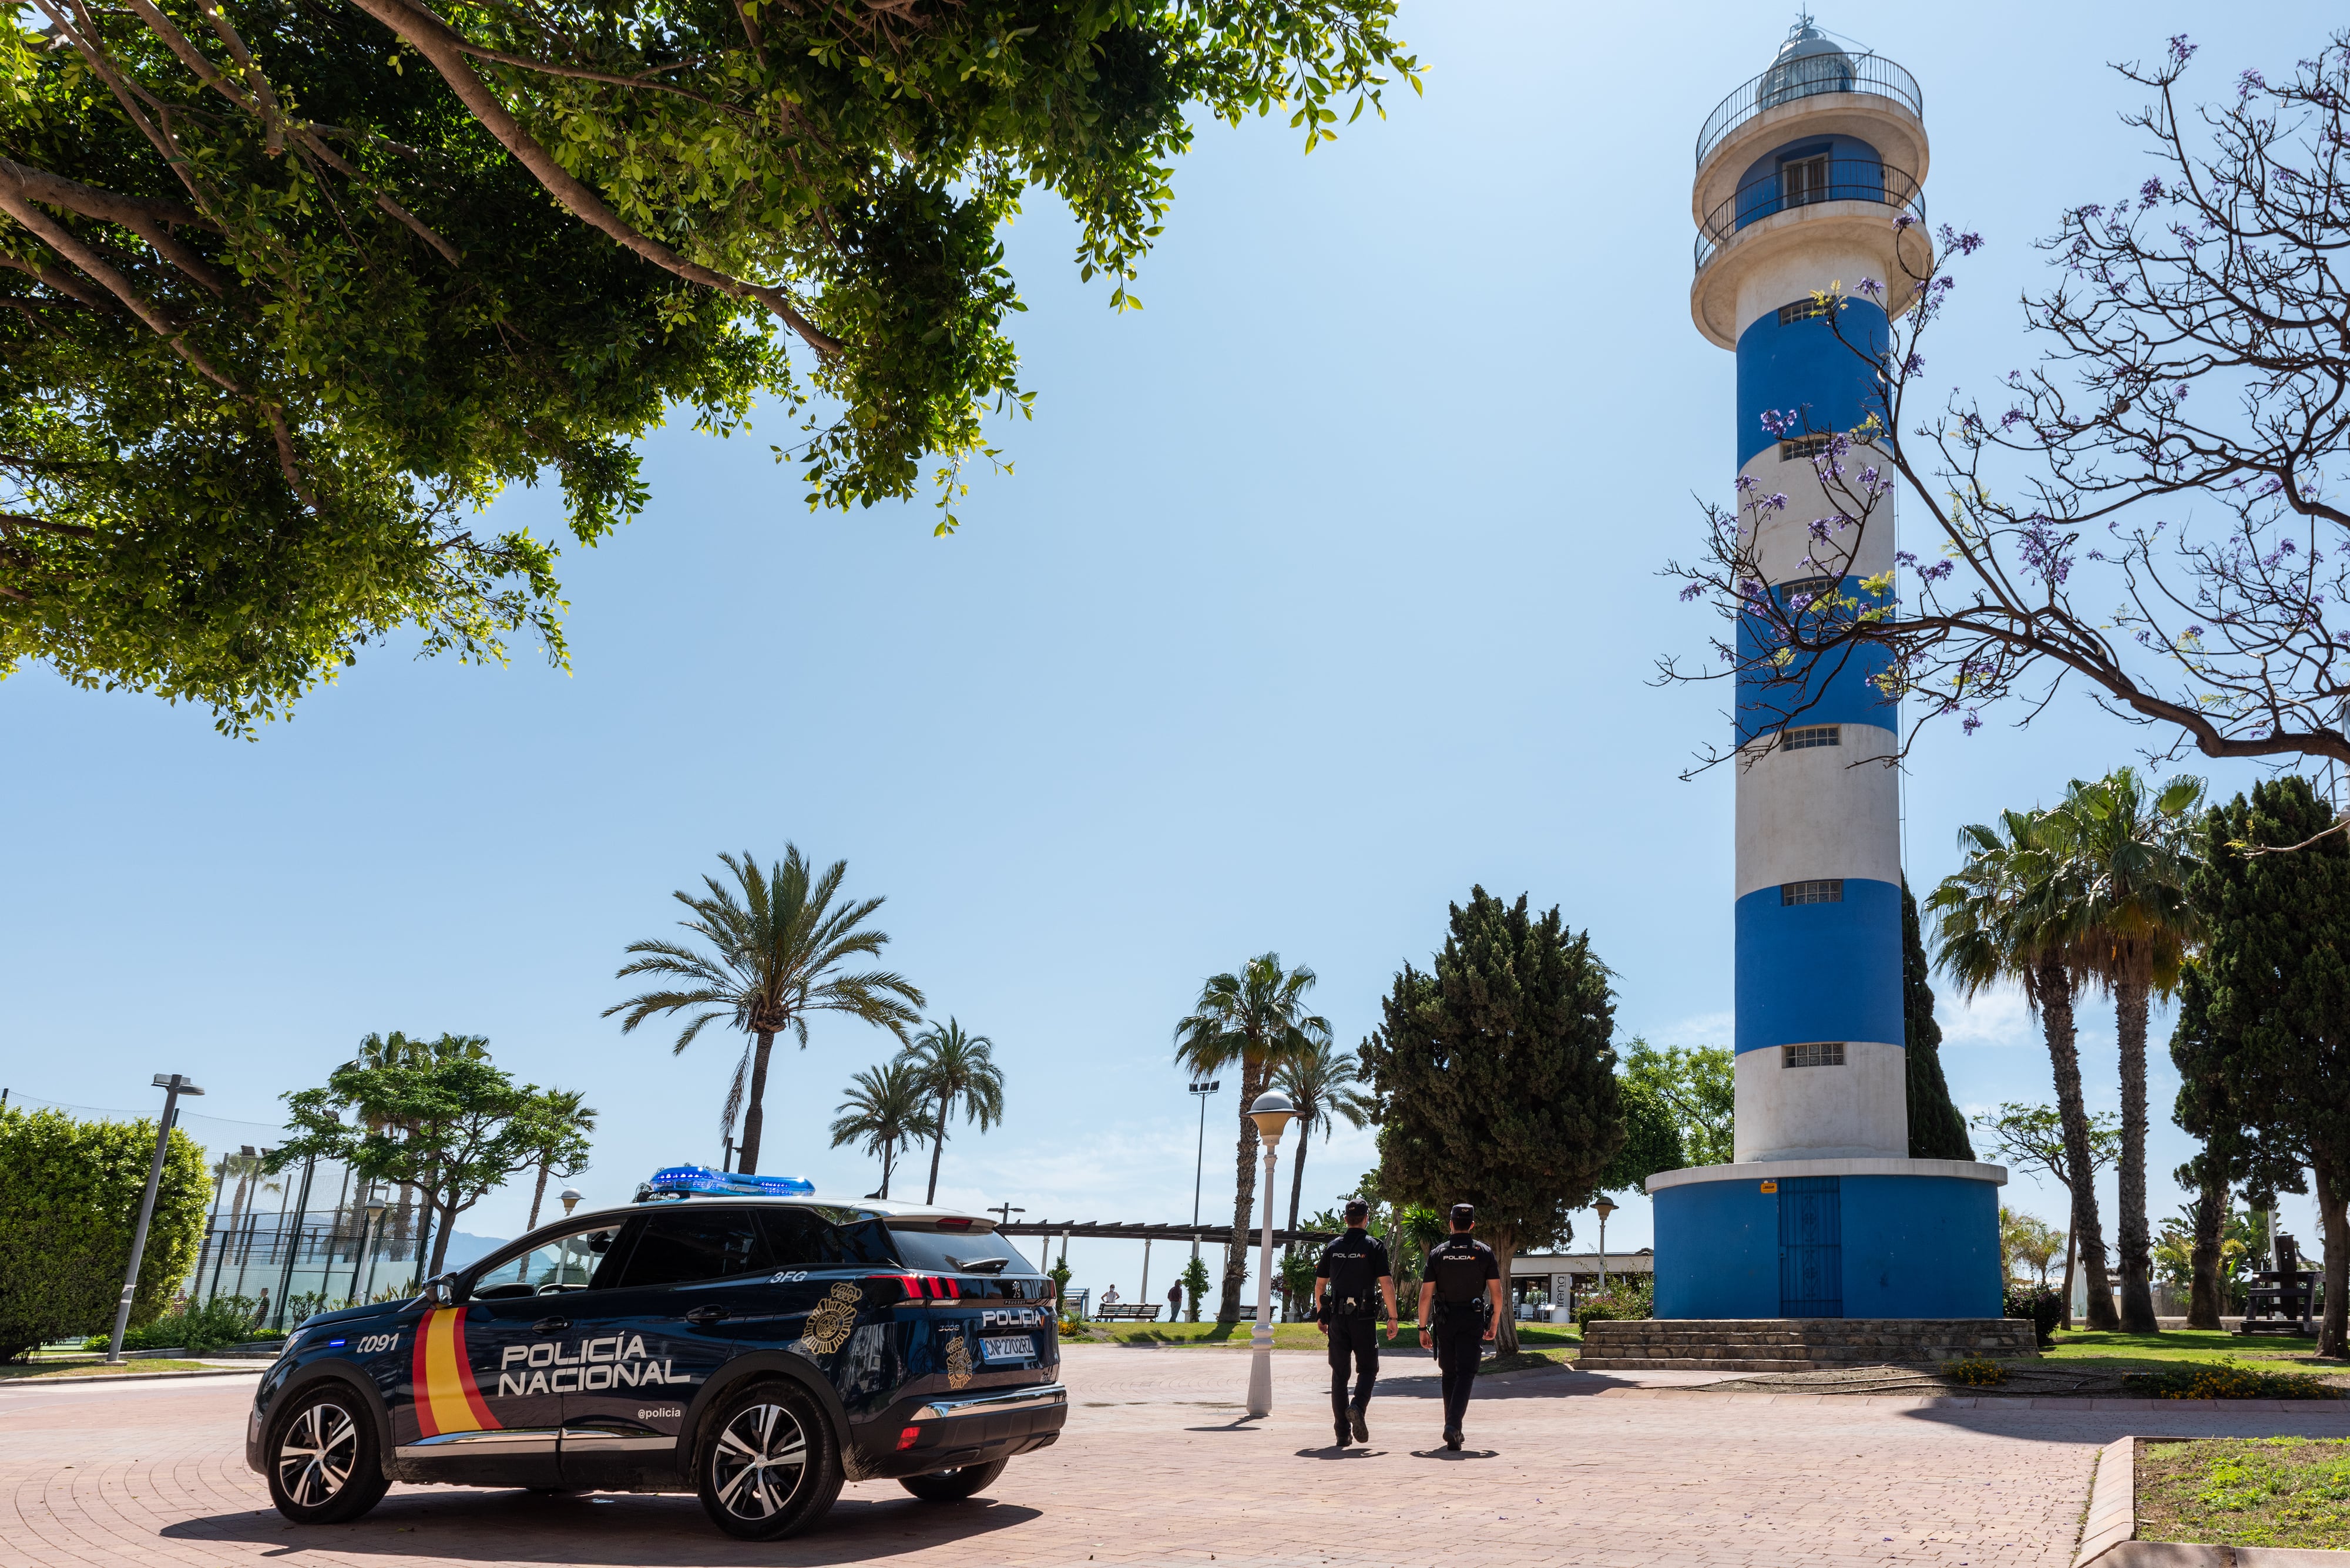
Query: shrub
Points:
[2043, 1306]
[2227, 1381]
[1624, 1299]
[73, 1190]
[223, 1320]
[1975, 1372]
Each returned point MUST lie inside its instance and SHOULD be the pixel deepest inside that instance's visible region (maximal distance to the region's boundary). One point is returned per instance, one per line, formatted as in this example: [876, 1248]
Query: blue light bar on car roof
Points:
[683, 1179]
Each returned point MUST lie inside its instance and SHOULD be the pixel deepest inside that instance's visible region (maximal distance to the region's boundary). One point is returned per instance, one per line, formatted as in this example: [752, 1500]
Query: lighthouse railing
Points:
[1852, 73]
[1840, 180]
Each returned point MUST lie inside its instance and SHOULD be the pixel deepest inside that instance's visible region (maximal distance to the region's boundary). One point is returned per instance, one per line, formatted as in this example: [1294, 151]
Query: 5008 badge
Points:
[368, 1343]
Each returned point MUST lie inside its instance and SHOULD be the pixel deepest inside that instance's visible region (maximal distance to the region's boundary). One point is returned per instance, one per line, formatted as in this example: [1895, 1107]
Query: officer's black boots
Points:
[1340, 1442]
[1452, 1437]
[1362, 1427]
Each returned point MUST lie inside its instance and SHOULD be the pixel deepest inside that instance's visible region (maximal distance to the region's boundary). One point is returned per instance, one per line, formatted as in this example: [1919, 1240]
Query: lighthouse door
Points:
[1810, 1247]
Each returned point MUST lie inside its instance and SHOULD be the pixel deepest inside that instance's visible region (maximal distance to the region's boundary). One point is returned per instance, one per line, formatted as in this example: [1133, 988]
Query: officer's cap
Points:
[1464, 1216]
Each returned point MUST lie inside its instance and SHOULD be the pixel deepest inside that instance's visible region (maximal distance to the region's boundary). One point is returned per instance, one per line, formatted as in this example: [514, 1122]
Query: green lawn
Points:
[1288, 1335]
[2131, 1352]
[51, 1367]
[2234, 1492]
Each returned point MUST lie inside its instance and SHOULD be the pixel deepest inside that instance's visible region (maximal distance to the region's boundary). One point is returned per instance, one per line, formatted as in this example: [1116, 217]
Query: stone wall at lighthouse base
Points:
[1867, 1238]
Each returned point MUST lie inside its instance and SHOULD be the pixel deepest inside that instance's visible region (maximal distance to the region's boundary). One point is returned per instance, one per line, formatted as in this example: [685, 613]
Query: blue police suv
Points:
[724, 1334]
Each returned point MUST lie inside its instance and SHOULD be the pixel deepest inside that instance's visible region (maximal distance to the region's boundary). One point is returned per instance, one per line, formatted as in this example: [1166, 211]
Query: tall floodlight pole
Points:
[1272, 1112]
[173, 1085]
[1200, 1092]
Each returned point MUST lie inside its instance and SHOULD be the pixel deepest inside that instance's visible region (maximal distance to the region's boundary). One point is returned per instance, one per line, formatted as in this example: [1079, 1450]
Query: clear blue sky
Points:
[1325, 588]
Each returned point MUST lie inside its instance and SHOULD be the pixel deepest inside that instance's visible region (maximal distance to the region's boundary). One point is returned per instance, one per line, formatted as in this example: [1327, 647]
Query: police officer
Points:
[1460, 1304]
[1348, 1282]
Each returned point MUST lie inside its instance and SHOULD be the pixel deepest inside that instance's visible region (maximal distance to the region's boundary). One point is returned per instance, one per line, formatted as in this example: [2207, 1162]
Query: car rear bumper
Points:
[956, 1430]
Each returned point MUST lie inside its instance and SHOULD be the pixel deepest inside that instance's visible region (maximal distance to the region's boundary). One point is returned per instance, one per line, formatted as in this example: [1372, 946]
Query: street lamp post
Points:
[173, 1085]
[1201, 1093]
[1603, 1209]
[1273, 1113]
[374, 1206]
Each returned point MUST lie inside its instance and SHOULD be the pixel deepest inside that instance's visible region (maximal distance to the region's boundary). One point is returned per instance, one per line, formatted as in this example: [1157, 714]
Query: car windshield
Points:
[957, 1251]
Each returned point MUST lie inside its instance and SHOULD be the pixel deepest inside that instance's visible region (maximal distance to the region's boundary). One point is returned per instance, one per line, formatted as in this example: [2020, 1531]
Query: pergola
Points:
[1120, 1231]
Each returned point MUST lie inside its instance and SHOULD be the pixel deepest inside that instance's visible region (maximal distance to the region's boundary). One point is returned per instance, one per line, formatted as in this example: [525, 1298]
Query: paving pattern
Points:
[1157, 1467]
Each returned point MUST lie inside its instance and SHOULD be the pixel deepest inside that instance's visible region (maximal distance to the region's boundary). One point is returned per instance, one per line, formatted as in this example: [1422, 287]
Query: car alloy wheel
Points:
[318, 1454]
[761, 1459]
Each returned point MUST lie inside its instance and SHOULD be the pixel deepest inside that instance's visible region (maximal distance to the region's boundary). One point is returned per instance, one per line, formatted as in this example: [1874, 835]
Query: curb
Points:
[6, 1384]
[2108, 1537]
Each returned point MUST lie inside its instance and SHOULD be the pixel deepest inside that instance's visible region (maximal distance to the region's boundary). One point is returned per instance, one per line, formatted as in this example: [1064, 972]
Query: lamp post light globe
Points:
[569, 1198]
[1272, 1112]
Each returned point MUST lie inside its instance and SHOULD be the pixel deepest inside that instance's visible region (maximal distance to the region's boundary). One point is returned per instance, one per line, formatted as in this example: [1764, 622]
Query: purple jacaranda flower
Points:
[1973, 722]
[1871, 287]
[1905, 558]
[2181, 51]
[2250, 83]
[1965, 241]
[1692, 591]
[1776, 502]
[1745, 483]
[1937, 571]
[1777, 424]
[2150, 192]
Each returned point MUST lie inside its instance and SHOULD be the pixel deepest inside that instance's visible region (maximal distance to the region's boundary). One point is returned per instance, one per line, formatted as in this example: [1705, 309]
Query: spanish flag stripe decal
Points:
[447, 1400]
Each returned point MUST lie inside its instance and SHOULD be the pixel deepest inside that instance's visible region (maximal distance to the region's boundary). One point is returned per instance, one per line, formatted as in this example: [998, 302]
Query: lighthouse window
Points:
[1812, 735]
[1818, 1054]
[1802, 180]
[1824, 891]
[1803, 446]
[1803, 310]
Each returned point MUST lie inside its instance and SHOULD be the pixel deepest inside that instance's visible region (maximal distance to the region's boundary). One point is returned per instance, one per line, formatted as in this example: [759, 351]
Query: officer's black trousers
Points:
[1457, 1349]
[1353, 1341]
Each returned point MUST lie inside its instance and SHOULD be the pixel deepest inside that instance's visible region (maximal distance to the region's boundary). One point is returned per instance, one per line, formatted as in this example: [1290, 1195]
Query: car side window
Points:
[576, 1260]
[799, 1240]
[679, 1245]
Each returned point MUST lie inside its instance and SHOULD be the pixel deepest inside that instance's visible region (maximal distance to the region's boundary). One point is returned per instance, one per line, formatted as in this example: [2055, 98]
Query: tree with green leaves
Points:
[74, 1190]
[455, 1128]
[1322, 1084]
[775, 943]
[290, 289]
[955, 1068]
[1938, 1129]
[1652, 1140]
[1494, 1080]
[1253, 1018]
[565, 1122]
[2267, 1024]
[1696, 1086]
[1997, 922]
[887, 1109]
[2234, 1156]
[2035, 1137]
[2126, 923]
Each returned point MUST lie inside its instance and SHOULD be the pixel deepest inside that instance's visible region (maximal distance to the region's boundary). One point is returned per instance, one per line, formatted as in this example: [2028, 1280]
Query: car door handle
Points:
[550, 1326]
[704, 1316]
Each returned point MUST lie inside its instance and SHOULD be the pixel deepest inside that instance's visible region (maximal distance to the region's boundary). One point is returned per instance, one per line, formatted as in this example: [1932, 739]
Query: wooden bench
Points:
[1127, 1311]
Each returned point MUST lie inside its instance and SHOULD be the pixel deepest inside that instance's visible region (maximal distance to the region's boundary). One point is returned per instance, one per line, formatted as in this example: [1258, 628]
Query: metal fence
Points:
[290, 1257]
[1806, 77]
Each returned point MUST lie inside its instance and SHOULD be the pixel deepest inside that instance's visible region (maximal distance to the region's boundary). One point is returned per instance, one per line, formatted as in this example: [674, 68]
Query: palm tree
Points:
[1256, 1018]
[2127, 925]
[377, 1052]
[565, 1120]
[777, 941]
[887, 1109]
[951, 1065]
[1320, 1084]
[1995, 923]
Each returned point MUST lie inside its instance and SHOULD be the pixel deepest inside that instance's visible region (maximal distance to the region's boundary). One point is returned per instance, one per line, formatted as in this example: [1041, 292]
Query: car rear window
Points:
[958, 1251]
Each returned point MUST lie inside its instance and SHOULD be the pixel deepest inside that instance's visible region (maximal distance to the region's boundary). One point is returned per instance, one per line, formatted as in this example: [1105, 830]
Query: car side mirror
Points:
[443, 1291]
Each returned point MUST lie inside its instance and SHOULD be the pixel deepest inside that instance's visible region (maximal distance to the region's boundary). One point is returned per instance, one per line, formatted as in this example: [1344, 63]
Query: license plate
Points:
[1019, 1347]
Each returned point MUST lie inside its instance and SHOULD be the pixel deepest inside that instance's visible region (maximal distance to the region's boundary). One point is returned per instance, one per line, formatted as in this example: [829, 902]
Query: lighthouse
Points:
[1809, 184]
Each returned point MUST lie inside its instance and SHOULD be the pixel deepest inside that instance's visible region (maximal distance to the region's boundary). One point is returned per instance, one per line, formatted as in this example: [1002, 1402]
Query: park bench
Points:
[1127, 1311]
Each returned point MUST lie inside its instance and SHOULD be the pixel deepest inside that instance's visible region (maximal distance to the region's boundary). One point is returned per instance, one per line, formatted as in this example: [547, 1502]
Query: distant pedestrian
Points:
[1174, 1301]
[1459, 1307]
[1109, 1297]
[1348, 1283]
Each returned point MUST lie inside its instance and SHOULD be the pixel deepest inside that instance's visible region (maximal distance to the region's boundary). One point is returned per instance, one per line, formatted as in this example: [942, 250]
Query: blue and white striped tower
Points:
[1801, 176]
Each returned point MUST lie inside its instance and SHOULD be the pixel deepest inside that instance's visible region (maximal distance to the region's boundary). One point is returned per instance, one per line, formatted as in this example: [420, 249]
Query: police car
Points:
[730, 1335]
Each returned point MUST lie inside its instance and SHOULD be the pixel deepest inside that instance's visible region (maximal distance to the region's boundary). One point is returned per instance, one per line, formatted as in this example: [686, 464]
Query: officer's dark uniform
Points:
[1352, 1266]
[1458, 1269]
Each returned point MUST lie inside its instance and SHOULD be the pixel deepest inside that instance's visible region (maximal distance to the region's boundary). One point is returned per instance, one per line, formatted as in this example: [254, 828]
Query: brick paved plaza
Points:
[1157, 1467]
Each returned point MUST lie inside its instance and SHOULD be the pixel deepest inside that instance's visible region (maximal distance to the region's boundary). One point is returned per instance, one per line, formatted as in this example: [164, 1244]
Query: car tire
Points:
[954, 1486]
[768, 1463]
[324, 1459]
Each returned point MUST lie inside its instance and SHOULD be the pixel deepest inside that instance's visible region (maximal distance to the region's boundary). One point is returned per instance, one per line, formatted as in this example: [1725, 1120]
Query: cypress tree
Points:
[1937, 1130]
[2271, 1009]
[1494, 1079]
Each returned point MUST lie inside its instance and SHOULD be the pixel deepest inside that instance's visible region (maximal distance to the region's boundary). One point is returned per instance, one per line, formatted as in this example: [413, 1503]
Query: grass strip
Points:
[2246, 1492]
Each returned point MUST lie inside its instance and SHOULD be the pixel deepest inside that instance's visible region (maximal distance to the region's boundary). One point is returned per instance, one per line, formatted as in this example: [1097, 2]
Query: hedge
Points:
[72, 1202]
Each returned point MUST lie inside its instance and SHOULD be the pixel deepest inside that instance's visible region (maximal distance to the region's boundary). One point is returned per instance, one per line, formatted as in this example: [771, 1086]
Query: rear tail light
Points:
[909, 1437]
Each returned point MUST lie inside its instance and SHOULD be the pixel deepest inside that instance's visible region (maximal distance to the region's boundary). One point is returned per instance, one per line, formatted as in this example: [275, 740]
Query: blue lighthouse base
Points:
[1829, 1238]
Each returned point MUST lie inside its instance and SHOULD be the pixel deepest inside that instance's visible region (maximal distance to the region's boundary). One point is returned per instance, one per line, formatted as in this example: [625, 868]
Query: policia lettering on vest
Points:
[1460, 1304]
[1348, 1283]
